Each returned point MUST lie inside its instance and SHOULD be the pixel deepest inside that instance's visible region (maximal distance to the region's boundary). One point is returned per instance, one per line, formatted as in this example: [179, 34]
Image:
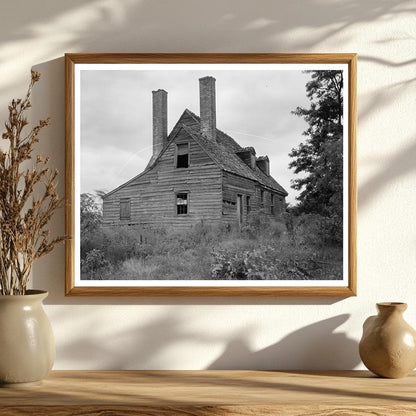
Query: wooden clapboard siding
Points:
[185, 119]
[266, 206]
[279, 204]
[234, 185]
[212, 192]
[153, 194]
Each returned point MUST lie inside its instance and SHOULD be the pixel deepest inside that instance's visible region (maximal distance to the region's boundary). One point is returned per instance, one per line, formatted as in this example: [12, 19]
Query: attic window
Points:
[125, 209]
[182, 203]
[182, 155]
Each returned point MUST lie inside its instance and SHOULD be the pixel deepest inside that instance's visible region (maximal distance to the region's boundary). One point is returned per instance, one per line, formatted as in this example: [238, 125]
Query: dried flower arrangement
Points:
[28, 200]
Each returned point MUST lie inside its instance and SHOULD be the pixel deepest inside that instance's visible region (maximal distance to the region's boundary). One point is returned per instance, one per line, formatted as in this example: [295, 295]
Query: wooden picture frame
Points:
[75, 64]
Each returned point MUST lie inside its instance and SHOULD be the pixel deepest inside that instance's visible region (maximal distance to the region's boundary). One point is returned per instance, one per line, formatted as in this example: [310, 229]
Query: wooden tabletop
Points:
[203, 393]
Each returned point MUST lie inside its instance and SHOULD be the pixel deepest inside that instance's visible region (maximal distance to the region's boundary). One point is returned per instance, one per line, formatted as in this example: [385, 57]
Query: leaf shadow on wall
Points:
[143, 26]
[256, 29]
[49, 271]
[398, 165]
[53, 143]
[313, 347]
[141, 346]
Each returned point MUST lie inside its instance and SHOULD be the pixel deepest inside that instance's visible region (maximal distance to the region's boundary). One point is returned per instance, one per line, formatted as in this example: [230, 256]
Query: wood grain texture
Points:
[219, 58]
[211, 291]
[69, 173]
[152, 193]
[401, 410]
[203, 393]
[352, 178]
[72, 59]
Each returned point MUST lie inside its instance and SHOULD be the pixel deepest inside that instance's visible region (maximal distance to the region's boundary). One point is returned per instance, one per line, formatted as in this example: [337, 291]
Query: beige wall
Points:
[235, 333]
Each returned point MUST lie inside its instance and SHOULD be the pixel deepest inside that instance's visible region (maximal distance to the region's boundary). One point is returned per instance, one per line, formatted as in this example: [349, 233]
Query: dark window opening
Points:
[248, 204]
[240, 209]
[272, 204]
[262, 198]
[182, 203]
[227, 202]
[125, 209]
[182, 155]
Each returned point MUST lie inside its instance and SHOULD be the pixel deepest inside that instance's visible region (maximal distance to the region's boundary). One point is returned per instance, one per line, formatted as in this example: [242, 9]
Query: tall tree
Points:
[91, 214]
[319, 158]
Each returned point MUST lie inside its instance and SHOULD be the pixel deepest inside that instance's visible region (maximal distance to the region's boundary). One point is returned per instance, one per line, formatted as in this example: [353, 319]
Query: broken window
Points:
[125, 208]
[248, 204]
[228, 202]
[262, 198]
[182, 203]
[182, 155]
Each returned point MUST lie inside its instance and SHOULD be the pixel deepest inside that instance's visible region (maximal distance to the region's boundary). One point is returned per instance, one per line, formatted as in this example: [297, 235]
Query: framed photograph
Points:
[211, 174]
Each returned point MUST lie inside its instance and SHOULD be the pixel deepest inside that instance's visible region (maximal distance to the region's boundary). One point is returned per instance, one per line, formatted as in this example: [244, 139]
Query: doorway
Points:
[240, 209]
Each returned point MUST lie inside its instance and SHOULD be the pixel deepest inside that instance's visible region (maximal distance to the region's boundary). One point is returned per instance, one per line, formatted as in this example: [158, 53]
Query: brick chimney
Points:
[248, 156]
[263, 164]
[160, 120]
[207, 107]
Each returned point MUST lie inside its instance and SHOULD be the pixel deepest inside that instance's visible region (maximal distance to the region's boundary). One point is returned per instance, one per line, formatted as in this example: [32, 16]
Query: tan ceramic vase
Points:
[27, 346]
[388, 345]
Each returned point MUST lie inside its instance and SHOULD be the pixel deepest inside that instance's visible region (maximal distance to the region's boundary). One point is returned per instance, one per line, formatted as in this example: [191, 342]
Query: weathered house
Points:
[196, 173]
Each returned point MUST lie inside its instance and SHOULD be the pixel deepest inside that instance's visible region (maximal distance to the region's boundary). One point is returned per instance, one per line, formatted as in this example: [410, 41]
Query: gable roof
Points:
[223, 151]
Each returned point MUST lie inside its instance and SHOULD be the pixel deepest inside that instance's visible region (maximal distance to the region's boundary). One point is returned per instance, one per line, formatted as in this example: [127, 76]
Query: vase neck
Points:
[389, 308]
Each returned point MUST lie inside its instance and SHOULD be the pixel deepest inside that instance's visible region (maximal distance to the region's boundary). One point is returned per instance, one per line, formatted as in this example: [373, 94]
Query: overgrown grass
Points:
[263, 249]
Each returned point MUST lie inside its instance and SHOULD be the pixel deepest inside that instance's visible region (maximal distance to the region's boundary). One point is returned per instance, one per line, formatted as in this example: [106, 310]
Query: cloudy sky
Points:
[253, 106]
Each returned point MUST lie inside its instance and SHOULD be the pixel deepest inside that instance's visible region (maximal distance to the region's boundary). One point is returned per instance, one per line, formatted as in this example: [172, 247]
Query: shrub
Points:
[118, 243]
[263, 249]
[275, 260]
[260, 263]
[262, 226]
[94, 263]
[228, 266]
[317, 231]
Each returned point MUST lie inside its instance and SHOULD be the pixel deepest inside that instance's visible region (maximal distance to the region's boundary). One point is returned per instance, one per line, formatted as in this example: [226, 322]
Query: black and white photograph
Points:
[211, 175]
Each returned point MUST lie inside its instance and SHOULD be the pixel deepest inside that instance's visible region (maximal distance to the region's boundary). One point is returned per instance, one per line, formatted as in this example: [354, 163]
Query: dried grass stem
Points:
[28, 200]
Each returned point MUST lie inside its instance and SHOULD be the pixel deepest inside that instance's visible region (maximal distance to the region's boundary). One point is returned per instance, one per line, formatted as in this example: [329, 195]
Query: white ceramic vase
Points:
[27, 346]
